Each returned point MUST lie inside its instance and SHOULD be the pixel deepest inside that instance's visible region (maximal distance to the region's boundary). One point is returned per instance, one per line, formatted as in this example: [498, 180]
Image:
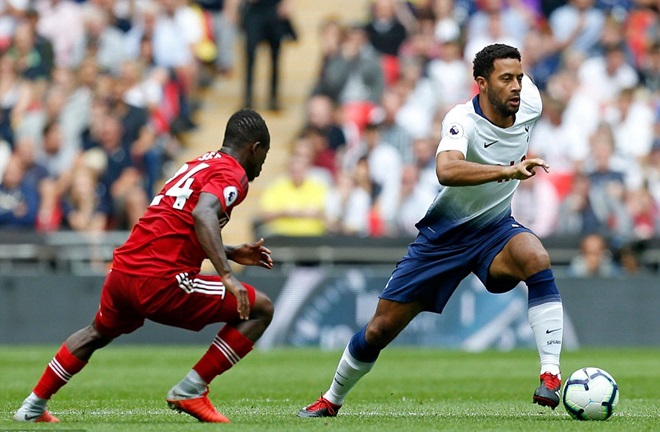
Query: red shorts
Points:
[190, 301]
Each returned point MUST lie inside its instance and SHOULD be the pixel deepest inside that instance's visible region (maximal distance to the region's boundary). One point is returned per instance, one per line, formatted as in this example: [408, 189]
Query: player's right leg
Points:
[233, 342]
[361, 353]
[68, 361]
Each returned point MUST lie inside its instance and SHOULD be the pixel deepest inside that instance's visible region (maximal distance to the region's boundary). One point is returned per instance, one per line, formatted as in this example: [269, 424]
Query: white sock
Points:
[35, 402]
[547, 322]
[349, 371]
[192, 385]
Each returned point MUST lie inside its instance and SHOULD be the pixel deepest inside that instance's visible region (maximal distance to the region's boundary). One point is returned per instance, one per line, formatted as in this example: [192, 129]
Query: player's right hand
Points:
[237, 289]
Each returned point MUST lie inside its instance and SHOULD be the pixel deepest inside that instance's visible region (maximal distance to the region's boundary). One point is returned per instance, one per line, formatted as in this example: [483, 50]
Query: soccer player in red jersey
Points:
[155, 275]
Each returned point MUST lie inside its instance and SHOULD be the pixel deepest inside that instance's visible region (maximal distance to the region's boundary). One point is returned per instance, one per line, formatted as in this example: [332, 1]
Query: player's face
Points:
[504, 85]
[257, 161]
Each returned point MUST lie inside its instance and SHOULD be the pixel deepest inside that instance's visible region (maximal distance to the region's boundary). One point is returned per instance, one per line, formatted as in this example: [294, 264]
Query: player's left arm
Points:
[453, 170]
[254, 254]
[205, 215]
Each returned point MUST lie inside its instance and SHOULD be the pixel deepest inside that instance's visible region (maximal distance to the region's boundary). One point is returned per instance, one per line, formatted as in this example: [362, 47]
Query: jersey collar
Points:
[477, 109]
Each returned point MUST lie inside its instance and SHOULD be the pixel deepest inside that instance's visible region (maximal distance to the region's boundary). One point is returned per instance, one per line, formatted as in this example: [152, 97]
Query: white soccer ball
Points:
[590, 393]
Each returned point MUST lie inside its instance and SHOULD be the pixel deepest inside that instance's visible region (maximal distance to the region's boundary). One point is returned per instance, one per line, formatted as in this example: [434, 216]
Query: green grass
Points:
[123, 389]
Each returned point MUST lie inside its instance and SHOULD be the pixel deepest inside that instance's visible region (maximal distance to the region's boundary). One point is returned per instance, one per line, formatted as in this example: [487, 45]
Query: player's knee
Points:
[537, 261]
[380, 333]
[263, 308]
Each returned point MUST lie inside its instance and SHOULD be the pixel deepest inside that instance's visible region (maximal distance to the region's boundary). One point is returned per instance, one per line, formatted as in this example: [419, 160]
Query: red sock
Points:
[59, 371]
[228, 347]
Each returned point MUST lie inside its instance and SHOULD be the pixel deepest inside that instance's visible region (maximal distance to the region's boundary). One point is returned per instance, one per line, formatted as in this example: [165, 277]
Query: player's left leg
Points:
[70, 359]
[233, 342]
[525, 258]
[361, 354]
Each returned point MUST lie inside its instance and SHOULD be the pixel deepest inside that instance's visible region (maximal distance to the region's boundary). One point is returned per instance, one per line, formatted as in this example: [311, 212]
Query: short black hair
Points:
[484, 61]
[245, 127]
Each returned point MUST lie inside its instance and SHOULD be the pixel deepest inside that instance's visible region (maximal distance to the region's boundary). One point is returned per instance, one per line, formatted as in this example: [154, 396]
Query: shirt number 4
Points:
[181, 189]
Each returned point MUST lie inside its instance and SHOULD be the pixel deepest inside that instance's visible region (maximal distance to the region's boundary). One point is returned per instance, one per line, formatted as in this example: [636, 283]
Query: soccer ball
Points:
[590, 393]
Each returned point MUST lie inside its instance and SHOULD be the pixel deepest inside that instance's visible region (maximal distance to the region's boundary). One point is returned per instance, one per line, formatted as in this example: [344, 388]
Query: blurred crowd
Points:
[363, 163]
[94, 98]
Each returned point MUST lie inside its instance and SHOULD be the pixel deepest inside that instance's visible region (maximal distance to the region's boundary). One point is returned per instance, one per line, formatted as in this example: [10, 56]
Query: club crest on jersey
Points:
[230, 193]
[455, 130]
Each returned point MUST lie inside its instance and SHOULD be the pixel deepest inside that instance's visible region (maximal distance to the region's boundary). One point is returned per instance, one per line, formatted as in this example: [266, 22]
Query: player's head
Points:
[248, 135]
[498, 71]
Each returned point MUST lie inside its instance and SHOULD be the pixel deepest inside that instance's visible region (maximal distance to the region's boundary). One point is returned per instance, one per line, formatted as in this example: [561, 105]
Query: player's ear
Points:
[481, 82]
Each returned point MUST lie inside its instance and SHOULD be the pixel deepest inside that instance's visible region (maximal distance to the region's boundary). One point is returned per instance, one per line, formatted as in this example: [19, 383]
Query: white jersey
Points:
[466, 129]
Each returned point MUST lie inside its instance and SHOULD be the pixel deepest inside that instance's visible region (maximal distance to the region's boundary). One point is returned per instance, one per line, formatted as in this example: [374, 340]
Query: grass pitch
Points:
[410, 389]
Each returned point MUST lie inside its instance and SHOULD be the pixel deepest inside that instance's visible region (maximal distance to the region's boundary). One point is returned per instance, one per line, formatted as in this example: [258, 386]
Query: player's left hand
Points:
[255, 254]
[525, 169]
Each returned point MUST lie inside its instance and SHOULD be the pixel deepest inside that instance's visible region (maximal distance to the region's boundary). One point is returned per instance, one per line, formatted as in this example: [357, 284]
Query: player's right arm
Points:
[205, 215]
[453, 170]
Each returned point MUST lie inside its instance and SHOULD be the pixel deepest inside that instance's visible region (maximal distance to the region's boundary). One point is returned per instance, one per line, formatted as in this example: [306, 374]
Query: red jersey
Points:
[163, 243]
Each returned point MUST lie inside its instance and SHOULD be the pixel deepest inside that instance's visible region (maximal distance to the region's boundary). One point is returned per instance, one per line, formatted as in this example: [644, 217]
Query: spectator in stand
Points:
[450, 75]
[419, 102]
[42, 44]
[609, 169]
[424, 159]
[391, 130]
[536, 205]
[15, 95]
[225, 20]
[577, 26]
[415, 199]
[174, 34]
[641, 28]
[492, 27]
[650, 68]
[26, 153]
[331, 35]
[448, 19]
[514, 23]
[603, 77]
[101, 41]
[306, 145]
[631, 120]
[139, 138]
[19, 200]
[385, 170]
[422, 42]
[122, 181]
[321, 115]
[28, 60]
[61, 21]
[264, 21]
[595, 259]
[387, 35]
[589, 210]
[558, 145]
[294, 205]
[384, 31]
[644, 213]
[348, 205]
[58, 107]
[541, 58]
[83, 208]
[11, 12]
[354, 77]
[53, 156]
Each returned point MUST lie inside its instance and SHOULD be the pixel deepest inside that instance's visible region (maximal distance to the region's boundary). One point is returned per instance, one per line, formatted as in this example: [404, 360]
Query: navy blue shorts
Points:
[431, 271]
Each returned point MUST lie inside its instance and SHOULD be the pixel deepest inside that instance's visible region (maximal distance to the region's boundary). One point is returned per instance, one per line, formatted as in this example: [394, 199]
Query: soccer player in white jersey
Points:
[480, 160]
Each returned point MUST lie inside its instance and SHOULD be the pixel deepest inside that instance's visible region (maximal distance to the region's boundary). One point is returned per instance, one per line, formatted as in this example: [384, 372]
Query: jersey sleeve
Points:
[531, 97]
[456, 131]
[227, 187]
